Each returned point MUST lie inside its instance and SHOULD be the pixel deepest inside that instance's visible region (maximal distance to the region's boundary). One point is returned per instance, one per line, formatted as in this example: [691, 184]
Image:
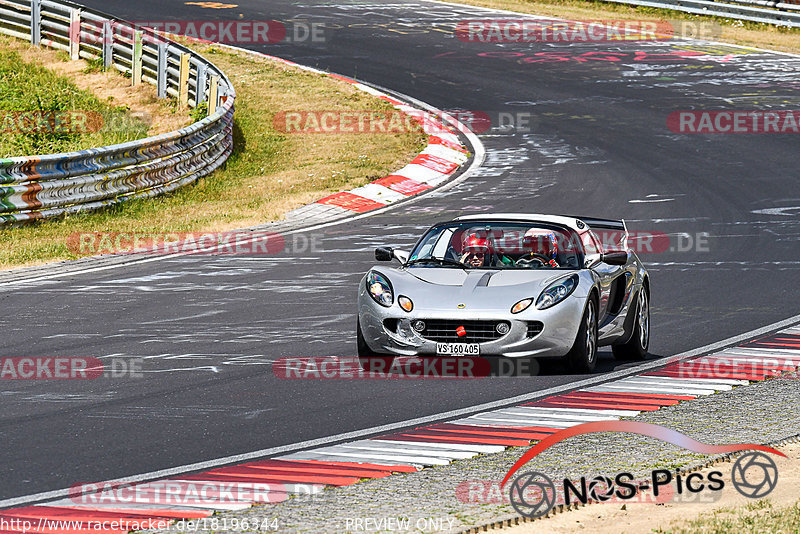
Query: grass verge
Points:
[27, 86]
[268, 174]
[758, 516]
[726, 30]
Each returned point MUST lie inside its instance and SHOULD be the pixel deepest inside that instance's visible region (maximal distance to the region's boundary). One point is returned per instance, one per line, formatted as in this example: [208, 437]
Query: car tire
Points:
[636, 347]
[582, 357]
[368, 359]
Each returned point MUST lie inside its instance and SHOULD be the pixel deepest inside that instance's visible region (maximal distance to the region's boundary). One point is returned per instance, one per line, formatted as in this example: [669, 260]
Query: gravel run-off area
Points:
[438, 499]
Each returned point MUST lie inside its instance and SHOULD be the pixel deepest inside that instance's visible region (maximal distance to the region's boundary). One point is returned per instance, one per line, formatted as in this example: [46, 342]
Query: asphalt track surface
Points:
[210, 327]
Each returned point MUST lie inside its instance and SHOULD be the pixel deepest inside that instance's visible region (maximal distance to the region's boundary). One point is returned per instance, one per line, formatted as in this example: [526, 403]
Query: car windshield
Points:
[498, 245]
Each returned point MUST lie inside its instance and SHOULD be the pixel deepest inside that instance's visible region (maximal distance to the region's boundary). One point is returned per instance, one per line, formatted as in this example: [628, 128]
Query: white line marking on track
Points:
[587, 411]
[520, 420]
[526, 412]
[673, 382]
[694, 381]
[365, 456]
[664, 390]
[784, 353]
[485, 449]
[360, 446]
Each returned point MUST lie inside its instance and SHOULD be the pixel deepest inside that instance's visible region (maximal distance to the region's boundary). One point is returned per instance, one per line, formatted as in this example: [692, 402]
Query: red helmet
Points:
[477, 244]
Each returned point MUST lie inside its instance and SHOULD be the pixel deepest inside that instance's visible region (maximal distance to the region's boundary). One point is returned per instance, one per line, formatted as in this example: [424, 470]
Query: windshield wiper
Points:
[440, 261]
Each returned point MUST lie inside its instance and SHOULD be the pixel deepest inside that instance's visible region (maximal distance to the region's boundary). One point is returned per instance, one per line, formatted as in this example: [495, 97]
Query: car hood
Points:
[439, 288]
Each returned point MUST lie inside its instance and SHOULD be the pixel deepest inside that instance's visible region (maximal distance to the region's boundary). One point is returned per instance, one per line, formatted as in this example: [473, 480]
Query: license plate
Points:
[458, 349]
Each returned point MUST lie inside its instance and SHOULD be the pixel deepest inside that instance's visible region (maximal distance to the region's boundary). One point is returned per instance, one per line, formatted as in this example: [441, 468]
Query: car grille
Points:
[444, 331]
[535, 328]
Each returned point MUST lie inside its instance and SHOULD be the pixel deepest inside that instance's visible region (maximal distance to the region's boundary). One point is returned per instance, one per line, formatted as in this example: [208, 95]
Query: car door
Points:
[612, 279]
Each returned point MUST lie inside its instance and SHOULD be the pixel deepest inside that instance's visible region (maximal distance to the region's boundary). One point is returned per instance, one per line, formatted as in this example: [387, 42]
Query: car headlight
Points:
[556, 292]
[379, 289]
[521, 305]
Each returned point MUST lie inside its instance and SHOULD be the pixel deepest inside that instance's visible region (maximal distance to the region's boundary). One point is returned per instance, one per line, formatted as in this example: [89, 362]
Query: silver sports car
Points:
[511, 285]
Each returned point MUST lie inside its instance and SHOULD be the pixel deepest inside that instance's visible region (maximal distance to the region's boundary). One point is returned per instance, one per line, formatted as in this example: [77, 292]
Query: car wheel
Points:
[582, 357]
[636, 347]
[368, 359]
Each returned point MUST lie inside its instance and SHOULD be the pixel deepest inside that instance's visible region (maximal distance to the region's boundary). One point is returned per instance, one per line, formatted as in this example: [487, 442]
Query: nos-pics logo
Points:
[534, 494]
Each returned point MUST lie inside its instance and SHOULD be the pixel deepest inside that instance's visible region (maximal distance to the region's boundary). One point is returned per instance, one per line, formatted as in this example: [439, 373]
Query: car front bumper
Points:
[389, 331]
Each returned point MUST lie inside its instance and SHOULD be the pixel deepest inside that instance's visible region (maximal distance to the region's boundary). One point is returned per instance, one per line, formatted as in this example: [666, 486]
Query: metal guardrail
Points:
[37, 187]
[766, 11]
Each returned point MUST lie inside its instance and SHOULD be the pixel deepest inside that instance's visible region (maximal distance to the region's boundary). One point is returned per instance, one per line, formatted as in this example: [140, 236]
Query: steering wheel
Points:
[528, 260]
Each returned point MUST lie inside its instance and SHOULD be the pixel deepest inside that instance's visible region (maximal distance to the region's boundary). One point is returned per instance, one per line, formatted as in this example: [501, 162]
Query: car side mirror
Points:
[615, 258]
[389, 254]
[384, 254]
[592, 260]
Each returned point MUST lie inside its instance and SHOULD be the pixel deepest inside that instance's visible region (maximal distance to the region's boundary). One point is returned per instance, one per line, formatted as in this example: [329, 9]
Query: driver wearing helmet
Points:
[477, 252]
[541, 249]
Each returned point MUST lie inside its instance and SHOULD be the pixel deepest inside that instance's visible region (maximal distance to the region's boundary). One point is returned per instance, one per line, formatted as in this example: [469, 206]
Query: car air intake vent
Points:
[447, 331]
[535, 328]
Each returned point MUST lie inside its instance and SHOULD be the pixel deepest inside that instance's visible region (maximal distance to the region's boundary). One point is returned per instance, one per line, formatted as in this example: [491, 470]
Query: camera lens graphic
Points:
[601, 489]
[754, 475]
[532, 494]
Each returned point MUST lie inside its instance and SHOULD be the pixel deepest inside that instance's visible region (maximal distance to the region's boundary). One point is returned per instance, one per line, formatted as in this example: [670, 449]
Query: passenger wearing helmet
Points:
[480, 251]
[541, 249]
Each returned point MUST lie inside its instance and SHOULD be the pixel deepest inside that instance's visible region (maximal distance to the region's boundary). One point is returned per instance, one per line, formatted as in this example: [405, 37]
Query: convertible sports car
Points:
[510, 285]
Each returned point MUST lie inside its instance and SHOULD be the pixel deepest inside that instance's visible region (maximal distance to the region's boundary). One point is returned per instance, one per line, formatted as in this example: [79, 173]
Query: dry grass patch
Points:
[110, 87]
[39, 80]
[756, 517]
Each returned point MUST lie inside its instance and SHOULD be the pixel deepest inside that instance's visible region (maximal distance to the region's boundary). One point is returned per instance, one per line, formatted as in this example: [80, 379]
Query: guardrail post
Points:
[162, 70]
[108, 44]
[74, 33]
[200, 86]
[213, 93]
[36, 22]
[59, 24]
[183, 82]
[136, 65]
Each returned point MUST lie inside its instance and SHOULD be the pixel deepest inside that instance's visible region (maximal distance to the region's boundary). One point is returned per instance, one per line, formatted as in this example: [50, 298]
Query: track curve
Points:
[210, 328]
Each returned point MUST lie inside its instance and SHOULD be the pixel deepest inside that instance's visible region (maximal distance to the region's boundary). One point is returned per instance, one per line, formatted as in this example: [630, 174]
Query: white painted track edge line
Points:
[584, 411]
[535, 414]
[451, 446]
[452, 414]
